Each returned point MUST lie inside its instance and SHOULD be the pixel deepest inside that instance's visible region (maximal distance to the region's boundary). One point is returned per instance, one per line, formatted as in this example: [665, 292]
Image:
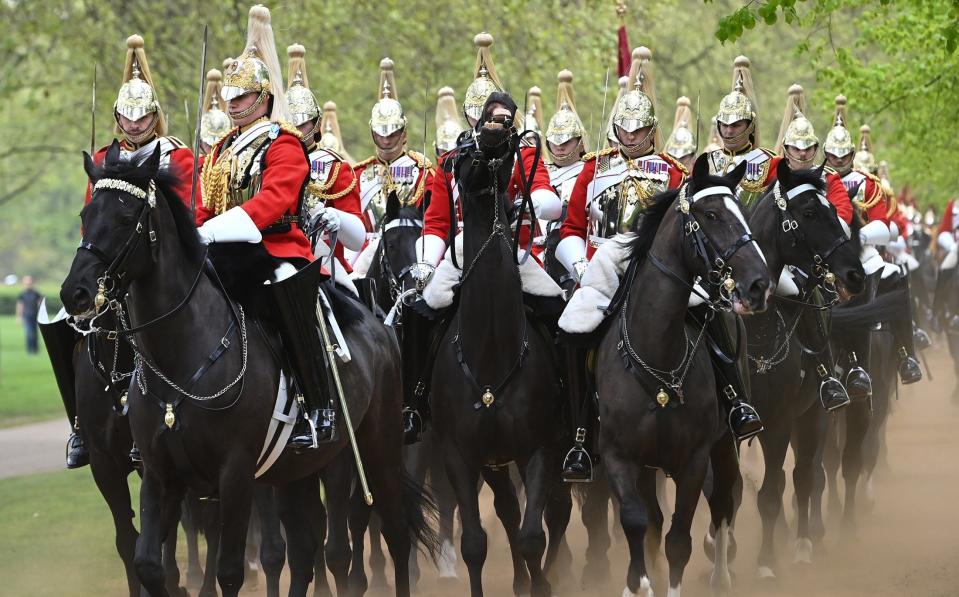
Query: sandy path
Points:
[31, 449]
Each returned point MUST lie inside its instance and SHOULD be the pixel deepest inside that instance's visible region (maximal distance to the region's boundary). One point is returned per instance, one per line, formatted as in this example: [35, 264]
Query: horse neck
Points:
[658, 303]
[491, 298]
[162, 289]
[765, 228]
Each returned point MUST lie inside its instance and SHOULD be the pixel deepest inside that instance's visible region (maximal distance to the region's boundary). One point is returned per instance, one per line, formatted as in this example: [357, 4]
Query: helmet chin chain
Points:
[636, 149]
[138, 140]
[247, 112]
[739, 141]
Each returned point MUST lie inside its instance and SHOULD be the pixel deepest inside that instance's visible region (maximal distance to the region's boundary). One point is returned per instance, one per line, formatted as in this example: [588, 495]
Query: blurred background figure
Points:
[28, 305]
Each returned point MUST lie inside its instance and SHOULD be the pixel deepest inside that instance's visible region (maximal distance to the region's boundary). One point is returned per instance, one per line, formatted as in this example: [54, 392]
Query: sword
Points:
[186, 113]
[331, 364]
[600, 135]
[93, 114]
[698, 98]
[426, 108]
[199, 113]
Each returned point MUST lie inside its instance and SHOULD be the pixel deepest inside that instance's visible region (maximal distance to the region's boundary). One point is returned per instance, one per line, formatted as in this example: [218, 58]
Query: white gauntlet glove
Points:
[422, 273]
[579, 268]
[324, 218]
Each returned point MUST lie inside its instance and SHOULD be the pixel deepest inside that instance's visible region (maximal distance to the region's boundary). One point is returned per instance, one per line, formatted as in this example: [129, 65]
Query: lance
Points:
[199, 113]
[93, 114]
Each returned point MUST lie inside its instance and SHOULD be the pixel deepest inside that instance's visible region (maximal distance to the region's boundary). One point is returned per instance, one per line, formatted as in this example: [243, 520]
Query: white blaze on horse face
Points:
[732, 206]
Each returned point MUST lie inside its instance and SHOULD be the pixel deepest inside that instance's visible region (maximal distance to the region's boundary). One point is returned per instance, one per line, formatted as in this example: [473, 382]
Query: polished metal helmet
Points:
[448, 123]
[387, 116]
[485, 80]
[214, 123]
[796, 130]
[864, 160]
[681, 142]
[299, 97]
[738, 104]
[636, 109]
[839, 141]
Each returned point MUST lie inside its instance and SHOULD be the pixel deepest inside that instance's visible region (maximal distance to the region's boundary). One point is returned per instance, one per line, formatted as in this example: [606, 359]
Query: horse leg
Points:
[272, 546]
[170, 570]
[649, 484]
[775, 442]
[318, 521]
[111, 480]
[722, 509]
[160, 510]
[443, 492]
[831, 460]
[236, 504]
[359, 522]
[191, 521]
[337, 478]
[294, 501]
[506, 505]
[209, 514]
[679, 545]
[464, 481]
[623, 477]
[809, 430]
[595, 517]
[857, 423]
[557, 514]
[538, 481]
[251, 575]
[377, 557]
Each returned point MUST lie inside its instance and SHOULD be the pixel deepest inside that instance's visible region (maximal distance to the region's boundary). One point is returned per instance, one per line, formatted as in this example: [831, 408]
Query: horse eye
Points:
[126, 220]
[711, 215]
[808, 213]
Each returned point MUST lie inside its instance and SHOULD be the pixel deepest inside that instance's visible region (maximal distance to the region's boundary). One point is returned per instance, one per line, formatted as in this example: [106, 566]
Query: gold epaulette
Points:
[421, 160]
[286, 127]
[878, 195]
[674, 163]
[827, 170]
[176, 143]
[365, 162]
[595, 154]
[768, 152]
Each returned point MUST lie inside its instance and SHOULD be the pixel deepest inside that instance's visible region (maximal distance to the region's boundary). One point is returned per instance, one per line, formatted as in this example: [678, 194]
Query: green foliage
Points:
[28, 391]
[898, 65]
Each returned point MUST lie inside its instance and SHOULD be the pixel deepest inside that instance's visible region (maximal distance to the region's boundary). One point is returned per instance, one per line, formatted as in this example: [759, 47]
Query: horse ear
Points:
[784, 173]
[821, 169]
[88, 166]
[152, 164]
[700, 171]
[113, 153]
[392, 207]
[734, 177]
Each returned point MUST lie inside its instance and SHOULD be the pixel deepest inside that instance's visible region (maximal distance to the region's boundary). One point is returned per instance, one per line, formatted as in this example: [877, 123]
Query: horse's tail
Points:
[885, 307]
[422, 516]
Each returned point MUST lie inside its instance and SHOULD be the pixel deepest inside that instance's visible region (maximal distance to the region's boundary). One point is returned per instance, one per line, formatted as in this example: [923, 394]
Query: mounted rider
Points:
[139, 122]
[252, 189]
[438, 219]
[737, 123]
[449, 125]
[332, 197]
[798, 145]
[565, 146]
[876, 207]
[611, 193]
[393, 169]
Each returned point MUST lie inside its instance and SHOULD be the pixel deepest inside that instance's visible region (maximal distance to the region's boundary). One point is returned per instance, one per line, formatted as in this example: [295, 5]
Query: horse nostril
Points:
[759, 288]
[80, 297]
[855, 276]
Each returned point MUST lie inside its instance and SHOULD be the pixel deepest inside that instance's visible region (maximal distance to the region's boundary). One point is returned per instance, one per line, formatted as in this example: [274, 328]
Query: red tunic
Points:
[423, 184]
[437, 219]
[948, 224]
[341, 190]
[836, 194]
[577, 214]
[281, 183]
[181, 163]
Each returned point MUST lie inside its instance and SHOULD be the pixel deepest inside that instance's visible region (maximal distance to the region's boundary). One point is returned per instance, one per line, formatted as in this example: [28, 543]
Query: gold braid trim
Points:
[214, 179]
[319, 191]
[674, 162]
[878, 194]
[595, 154]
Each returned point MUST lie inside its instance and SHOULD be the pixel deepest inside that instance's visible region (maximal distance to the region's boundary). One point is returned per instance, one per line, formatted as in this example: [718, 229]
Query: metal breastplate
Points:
[752, 186]
[400, 179]
[236, 176]
[623, 203]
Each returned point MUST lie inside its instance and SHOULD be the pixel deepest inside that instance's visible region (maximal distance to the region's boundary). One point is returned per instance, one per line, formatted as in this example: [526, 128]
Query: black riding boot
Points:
[296, 301]
[814, 337]
[366, 287]
[61, 342]
[909, 369]
[578, 464]
[858, 381]
[743, 420]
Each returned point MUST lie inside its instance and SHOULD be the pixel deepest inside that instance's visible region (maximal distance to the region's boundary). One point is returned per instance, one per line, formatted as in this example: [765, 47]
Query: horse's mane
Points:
[649, 223]
[167, 180]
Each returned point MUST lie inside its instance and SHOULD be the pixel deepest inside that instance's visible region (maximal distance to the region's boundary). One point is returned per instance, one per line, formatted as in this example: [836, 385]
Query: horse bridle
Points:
[395, 279]
[821, 273]
[719, 276]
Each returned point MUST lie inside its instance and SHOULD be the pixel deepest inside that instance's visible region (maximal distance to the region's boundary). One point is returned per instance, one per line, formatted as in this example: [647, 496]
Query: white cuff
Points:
[875, 233]
[897, 247]
[352, 231]
[570, 250]
[430, 249]
[894, 230]
[871, 260]
[947, 241]
[547, 204]
[232, 226]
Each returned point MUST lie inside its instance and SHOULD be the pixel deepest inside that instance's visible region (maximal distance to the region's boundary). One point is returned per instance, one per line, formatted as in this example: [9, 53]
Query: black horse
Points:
[142, 245]
[794, 226]
[657, 414]
[494, 393]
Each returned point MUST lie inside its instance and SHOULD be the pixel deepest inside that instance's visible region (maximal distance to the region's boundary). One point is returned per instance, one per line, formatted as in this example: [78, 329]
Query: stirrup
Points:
[838, 403]
[750, 434]
[577, 458]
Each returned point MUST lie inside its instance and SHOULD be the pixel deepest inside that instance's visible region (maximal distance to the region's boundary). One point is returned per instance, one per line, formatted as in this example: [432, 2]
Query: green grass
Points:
[28, 391]
[56, 537]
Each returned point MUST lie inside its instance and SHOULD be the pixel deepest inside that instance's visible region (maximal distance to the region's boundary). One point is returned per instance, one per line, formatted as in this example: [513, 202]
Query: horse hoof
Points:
[802, 551]
[765, 573]
[645, 589]
[709, 545]
[194, 579]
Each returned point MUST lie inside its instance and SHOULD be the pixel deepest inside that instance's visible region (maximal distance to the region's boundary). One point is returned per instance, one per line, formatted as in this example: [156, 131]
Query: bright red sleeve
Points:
[350, 202]
[97, 160]
[540, 177]
[577, 212]
[773, 171]
[282, 180]
[946, 224]
[877, 211]
[676, 177]
[181, 163]
[437, 218]
[837, 195]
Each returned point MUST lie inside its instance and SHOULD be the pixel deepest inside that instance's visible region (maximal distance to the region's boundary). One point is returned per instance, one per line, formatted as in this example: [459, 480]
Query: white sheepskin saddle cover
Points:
[438, 294]
[584, 312]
